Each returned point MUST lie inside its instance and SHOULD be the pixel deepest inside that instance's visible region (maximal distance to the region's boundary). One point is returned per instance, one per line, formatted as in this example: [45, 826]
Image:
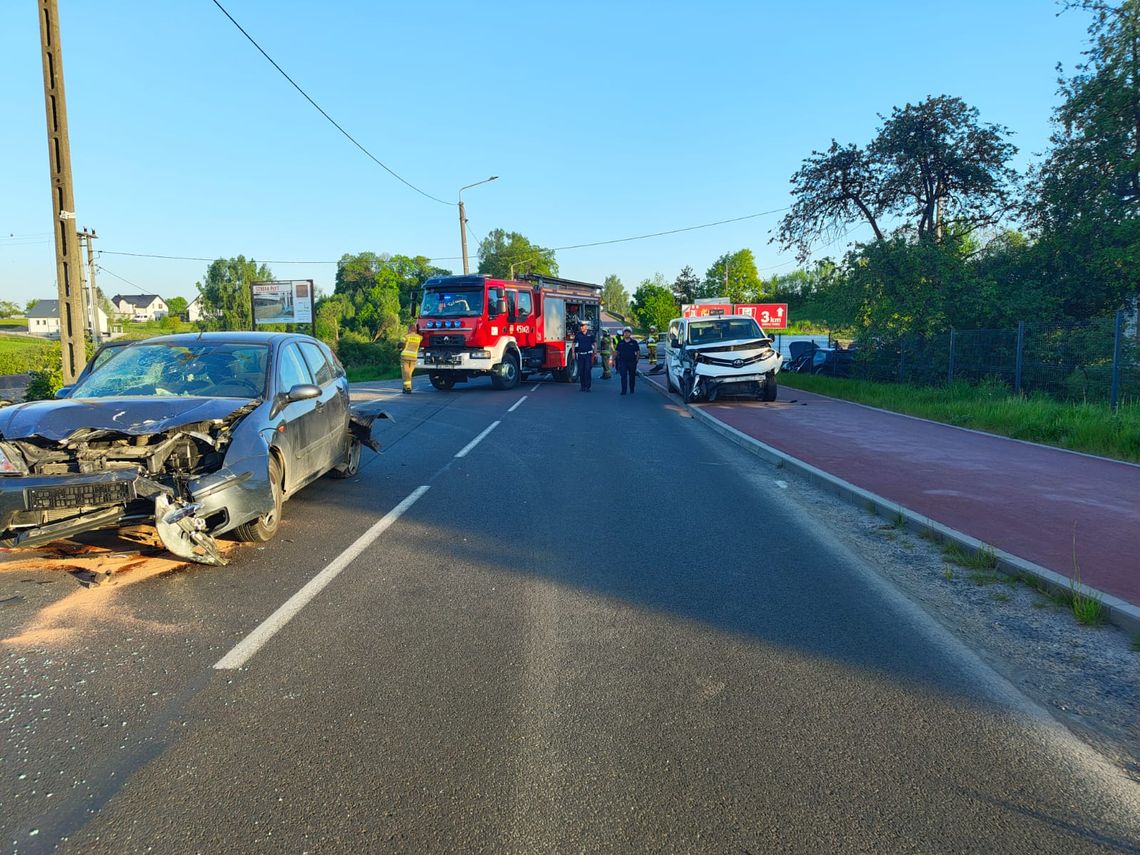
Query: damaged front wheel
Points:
[265, 526]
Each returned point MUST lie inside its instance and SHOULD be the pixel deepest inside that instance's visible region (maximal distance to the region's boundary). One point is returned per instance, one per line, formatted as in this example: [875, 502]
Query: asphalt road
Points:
[599, 629]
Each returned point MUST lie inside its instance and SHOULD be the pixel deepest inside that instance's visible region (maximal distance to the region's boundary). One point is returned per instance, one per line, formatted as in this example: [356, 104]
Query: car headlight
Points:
[11, 463]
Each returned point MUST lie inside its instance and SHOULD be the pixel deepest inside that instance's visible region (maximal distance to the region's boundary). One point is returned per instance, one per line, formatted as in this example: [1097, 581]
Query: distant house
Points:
[193, 310]
[43, 320]
[140, 307]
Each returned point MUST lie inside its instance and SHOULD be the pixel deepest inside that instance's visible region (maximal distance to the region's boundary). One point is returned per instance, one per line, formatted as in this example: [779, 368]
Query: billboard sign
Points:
[288, 301]
[770, 316]
[705, 310]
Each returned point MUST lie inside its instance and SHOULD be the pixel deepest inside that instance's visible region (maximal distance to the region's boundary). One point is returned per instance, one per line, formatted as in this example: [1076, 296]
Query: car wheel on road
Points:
[669, 381]
[443, 382]
[769, 393]
[351, 464]
[265, 526]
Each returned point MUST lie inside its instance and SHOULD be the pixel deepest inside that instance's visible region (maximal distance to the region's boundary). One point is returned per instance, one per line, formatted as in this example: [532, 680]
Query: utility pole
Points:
[463, 234]
[92, 292]
[67, 263]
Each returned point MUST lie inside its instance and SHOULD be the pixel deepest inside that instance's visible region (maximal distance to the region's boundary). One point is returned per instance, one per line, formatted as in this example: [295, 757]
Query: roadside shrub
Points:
[381, 355]
[44, 384]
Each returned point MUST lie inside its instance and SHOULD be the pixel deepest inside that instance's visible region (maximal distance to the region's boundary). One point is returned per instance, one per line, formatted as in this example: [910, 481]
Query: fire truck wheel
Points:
[507, 375]
[569, 374]
[441, 381]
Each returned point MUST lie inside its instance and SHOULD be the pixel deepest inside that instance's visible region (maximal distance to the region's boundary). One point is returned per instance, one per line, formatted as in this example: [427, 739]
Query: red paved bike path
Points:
[1022, 498]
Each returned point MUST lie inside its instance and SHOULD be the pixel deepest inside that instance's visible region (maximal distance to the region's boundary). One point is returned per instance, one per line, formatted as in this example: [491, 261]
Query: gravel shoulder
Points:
[1087, 677]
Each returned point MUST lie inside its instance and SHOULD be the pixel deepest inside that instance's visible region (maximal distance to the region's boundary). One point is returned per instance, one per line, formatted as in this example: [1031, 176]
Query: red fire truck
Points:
[475, 326]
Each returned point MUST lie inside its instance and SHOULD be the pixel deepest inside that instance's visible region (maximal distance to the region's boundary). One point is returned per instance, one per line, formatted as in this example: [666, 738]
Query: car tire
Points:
[669, 381]
[263, 528]
[352, 462]
[770, 388]
[507, 377]
[443, 382]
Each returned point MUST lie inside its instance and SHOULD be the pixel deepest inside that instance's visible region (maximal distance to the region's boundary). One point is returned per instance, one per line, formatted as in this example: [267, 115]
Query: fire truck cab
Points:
[474, 326]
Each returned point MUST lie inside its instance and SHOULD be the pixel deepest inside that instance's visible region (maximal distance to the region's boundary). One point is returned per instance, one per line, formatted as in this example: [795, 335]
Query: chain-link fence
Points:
[1096, 360]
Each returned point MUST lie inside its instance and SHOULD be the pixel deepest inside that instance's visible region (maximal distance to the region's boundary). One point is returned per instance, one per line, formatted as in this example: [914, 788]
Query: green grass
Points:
[14, 324]
[1091, 428]
[981, 559]
[1135, 643]
[1000, 597]
[983, 579]
[21, 353]
[363, 373]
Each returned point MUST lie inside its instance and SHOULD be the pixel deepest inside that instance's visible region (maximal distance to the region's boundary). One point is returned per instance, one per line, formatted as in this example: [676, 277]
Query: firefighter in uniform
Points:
[584, 349]
[408, 357]
[607, 354]
[651, 345]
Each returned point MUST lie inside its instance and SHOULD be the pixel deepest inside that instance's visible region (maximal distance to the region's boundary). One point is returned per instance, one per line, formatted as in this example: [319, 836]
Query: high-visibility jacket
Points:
[412, 345]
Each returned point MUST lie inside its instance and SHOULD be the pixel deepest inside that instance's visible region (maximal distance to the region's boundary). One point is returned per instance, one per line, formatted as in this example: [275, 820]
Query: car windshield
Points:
[207, 369]
[458, 303]
[710, 332]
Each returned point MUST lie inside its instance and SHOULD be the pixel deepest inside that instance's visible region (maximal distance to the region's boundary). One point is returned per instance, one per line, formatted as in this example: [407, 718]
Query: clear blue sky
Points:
[603, 119]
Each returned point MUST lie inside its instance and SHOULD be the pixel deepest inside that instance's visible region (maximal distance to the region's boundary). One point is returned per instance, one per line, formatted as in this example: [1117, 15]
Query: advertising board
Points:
[288, 301]
[770, 316]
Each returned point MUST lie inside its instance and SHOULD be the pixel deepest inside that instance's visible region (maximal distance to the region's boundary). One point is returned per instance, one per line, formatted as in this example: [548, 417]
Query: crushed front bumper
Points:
[35, 510]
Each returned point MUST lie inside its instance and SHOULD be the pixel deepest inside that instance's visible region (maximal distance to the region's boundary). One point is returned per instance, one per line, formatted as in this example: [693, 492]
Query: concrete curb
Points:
[1120, 613]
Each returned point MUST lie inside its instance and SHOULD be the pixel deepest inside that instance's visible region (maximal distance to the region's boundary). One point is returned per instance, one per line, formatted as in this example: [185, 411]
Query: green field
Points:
[1091, 428]
[20, 354]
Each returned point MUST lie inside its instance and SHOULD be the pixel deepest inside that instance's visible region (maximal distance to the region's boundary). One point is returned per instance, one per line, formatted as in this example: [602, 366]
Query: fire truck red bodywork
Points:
[506, 329]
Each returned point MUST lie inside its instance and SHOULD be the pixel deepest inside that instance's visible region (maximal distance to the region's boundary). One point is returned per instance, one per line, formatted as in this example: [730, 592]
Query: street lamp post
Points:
[463, 219]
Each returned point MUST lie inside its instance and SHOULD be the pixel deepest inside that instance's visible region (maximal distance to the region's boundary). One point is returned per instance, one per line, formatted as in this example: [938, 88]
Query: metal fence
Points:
[1096, 360]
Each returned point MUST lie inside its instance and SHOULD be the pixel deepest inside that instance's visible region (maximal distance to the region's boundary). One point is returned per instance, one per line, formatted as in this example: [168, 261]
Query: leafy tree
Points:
[734, 276]
[686, 286]
[225, 292]
[1087, 207]
[177, 305]
[614, 296]
[8, 309]
[371, 293]
[501, 250]
[930, 164]
[653, 303]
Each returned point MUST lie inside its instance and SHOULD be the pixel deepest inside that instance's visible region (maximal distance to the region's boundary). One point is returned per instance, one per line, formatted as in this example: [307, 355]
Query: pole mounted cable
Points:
[320, 110]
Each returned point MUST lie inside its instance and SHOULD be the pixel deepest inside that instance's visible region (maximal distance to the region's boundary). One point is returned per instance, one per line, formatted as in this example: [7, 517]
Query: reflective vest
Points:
[412, 346]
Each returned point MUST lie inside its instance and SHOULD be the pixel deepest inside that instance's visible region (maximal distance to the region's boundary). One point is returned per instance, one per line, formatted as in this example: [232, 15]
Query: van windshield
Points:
[713, 331]
[453, 303]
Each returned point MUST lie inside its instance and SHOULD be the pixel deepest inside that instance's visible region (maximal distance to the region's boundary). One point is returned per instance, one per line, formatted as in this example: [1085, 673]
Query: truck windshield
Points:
[712, 331]
[456, 303]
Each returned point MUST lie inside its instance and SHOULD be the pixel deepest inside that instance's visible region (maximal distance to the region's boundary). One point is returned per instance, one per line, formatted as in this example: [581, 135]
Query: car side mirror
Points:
[303, 392]
[63, 391]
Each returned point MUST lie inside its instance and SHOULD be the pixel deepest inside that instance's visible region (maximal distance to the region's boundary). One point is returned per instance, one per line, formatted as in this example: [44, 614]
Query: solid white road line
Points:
[476, 440]
[268, 628]
[534, 388]
[515, 406]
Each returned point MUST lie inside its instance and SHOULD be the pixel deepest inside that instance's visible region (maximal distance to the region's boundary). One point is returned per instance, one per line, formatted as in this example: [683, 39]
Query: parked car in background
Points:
[202, 434]
[809, 358]
[727, 355]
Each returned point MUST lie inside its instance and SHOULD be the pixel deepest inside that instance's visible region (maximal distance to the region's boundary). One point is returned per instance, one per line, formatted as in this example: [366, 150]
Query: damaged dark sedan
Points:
[201, 434]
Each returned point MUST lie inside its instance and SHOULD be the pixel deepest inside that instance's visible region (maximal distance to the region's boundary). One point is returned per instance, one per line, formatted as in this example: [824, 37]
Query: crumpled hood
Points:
[733, 344]
[57, 420]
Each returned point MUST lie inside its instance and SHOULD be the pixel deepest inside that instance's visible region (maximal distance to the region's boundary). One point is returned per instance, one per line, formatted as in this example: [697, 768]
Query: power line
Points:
[458, 257]
[103, 269]
[333, 121]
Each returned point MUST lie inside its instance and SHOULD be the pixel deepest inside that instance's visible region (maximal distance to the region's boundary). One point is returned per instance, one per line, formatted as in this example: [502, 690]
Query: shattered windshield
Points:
[453, 303]
[209, 369]
[711, 332]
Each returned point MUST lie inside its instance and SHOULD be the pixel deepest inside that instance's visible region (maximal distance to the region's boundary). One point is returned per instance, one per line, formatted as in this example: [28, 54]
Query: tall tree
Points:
[929, 164]
[177, 305]
[734, 276]
[1087, 210]
[371, 288]
[614, 296]
[501, 251]
[225, 292]
[686, 286]
[653, 303]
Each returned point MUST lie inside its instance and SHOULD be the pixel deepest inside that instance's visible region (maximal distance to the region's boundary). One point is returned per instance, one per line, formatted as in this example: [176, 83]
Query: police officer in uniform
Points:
[628, 352]
[408, 357]
[651, 345]
[607, 354]
[584, 349]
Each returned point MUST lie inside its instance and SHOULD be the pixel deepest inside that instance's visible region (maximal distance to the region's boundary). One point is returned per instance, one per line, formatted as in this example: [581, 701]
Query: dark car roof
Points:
[226, 337]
